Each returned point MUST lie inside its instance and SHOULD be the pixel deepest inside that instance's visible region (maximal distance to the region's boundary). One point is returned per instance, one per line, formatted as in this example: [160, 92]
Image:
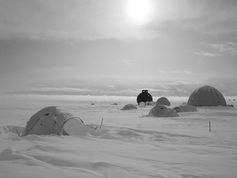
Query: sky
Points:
[117, 47]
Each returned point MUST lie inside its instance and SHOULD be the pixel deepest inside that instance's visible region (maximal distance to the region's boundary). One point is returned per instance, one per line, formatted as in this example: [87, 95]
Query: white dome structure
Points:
[206, 96]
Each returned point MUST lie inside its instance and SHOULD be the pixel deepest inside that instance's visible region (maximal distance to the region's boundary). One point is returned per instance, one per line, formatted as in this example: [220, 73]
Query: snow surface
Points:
[130, 144]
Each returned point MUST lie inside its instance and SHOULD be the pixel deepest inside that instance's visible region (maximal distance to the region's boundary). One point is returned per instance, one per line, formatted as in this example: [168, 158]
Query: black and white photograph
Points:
[118, 88]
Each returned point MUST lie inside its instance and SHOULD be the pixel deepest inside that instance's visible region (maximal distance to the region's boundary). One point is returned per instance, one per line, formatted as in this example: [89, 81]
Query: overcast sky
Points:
[85, 43]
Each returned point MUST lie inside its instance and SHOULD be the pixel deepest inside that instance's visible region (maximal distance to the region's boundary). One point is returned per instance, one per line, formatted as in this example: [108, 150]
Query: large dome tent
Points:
[54, 121]
[206, 96]
[49, 120]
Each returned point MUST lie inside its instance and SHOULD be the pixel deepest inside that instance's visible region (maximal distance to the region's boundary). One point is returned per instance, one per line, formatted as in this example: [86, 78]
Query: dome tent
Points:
[206, 96]
[185, 108]
[163, 101]
[162, 111]
[129, 107]
[49, 120]
[144, 96]
[52, 121]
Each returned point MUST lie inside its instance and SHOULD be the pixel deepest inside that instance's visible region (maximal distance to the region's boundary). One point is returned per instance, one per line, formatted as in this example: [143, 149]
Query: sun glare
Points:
[139, 11]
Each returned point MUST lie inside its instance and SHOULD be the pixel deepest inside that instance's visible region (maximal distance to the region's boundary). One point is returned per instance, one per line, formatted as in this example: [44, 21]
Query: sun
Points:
[139, 11]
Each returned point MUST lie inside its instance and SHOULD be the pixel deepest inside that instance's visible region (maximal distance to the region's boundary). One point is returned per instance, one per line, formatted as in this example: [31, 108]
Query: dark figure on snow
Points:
[144, 96]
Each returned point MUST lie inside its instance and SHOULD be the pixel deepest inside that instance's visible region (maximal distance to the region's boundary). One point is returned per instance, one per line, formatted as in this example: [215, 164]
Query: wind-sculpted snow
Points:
[129, 144]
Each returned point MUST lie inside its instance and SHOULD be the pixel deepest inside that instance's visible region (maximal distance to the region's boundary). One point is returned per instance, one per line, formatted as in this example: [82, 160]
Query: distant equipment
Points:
[144, 96]
[206, 96]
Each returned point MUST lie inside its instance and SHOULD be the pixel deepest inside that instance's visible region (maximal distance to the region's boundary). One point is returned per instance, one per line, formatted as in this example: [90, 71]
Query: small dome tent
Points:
[206, 96]
[144, 96]
[162, 111]
[185, 108]
[163, 101]
[129, 107]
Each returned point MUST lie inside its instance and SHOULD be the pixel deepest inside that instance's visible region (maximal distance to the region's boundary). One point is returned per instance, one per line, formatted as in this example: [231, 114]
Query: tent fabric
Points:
[49, 120]
[162, 111]
[75, 126]
[129, 107]
[144, 96]
[53, 121]
[163, 101]
[207, 96]
[185, 108]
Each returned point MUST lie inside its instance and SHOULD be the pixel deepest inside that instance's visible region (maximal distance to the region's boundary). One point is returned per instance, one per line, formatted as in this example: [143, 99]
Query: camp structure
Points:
[53, 121]
[129, 107]
[162, 111]
[206, 96]
[145, 97]
[163, 101]
[49, 120]
[185, 108]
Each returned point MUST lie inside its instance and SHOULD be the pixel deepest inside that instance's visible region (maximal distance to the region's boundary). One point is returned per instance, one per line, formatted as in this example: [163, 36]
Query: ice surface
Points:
[129, 144]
